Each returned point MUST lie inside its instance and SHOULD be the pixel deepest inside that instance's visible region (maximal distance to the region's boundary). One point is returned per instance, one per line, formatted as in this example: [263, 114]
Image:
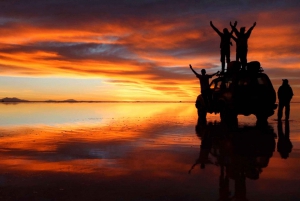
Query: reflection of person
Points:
[241, 40]
[224, 191]
[240, 188]
[206, 144]
[239, 156]
[204, 84]
[284, 144]
[285, 94]
[225, 44]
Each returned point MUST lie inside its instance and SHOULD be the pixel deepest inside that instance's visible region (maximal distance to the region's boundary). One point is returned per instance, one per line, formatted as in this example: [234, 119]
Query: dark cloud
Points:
[280, 73]
[60, 13]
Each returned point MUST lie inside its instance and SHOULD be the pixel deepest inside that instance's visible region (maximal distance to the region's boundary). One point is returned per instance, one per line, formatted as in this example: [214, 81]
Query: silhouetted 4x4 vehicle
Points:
[240, 92]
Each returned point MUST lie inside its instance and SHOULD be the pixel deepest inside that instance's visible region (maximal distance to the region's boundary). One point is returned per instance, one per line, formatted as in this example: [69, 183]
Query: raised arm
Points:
[233, 27]
[215, 73]
[234, 38]
[251, 28]
[193, 70]
[216, 30]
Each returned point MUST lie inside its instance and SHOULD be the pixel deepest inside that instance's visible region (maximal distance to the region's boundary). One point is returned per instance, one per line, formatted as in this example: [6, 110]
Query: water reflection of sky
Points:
[61, 113]
[128, 152]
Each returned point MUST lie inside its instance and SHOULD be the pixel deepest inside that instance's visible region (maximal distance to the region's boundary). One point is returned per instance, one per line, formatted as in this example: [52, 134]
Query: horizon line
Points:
[98, 101]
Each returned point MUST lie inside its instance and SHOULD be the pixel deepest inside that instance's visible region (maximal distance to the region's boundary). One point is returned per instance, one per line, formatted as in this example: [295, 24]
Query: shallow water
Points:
[143, 151]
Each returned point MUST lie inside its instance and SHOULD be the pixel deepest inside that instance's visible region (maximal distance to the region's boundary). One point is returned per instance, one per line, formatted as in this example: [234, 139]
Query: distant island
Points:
[12, 100]
[68, 101]
[17, 100]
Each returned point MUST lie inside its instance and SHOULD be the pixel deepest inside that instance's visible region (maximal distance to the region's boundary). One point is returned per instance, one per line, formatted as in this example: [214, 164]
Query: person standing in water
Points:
[285, 95]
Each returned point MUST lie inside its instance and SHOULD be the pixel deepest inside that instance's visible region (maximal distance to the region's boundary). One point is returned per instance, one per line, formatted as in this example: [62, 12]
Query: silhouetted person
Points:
[204, 84]
[285, 94]
[284, 144]
[225, 44]
[241, 40]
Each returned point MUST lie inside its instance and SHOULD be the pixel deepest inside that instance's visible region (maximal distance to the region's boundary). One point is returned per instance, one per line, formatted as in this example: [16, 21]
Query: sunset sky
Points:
[136, 50]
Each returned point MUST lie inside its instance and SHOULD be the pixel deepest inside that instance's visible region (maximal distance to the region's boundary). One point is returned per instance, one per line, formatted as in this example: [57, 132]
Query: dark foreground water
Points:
[143, 151]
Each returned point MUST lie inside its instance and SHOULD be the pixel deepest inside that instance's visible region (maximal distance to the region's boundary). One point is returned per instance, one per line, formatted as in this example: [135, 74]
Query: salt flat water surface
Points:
[144, 151]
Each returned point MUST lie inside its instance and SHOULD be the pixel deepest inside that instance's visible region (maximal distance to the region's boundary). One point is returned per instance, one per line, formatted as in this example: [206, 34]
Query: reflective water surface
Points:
[144, 151]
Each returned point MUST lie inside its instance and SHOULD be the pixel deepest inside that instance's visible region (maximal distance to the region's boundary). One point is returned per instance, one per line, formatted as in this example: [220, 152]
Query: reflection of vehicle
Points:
[240, 92]
[240, 154]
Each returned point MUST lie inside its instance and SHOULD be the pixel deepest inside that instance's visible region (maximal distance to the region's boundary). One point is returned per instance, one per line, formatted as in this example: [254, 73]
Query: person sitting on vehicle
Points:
[241, 40]
[285, 94]
[204, 84]
[225, 44]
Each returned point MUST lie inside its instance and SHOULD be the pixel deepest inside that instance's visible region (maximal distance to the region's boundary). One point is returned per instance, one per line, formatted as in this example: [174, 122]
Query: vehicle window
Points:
[218, 85]
[244, 82]
[261, 80]
[228, 84]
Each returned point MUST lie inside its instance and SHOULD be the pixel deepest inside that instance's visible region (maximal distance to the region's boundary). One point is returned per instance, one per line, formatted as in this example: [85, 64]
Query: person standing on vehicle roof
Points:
[241, 40]
[204, 84]
[225, 44]
[285, 94]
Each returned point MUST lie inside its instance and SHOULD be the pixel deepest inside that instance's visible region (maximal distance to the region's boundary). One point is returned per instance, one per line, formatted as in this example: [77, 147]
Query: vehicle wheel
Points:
[261, 119]
[228, 116]
[201, 109]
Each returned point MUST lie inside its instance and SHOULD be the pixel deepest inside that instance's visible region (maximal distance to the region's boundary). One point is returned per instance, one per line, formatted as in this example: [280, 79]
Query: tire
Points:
[228, 116]
[261, 119]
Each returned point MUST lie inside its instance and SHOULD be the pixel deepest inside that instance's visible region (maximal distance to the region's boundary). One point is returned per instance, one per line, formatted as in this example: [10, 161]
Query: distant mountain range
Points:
[68, 100]
[17, 100]
[14, 100]
[9, 100]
